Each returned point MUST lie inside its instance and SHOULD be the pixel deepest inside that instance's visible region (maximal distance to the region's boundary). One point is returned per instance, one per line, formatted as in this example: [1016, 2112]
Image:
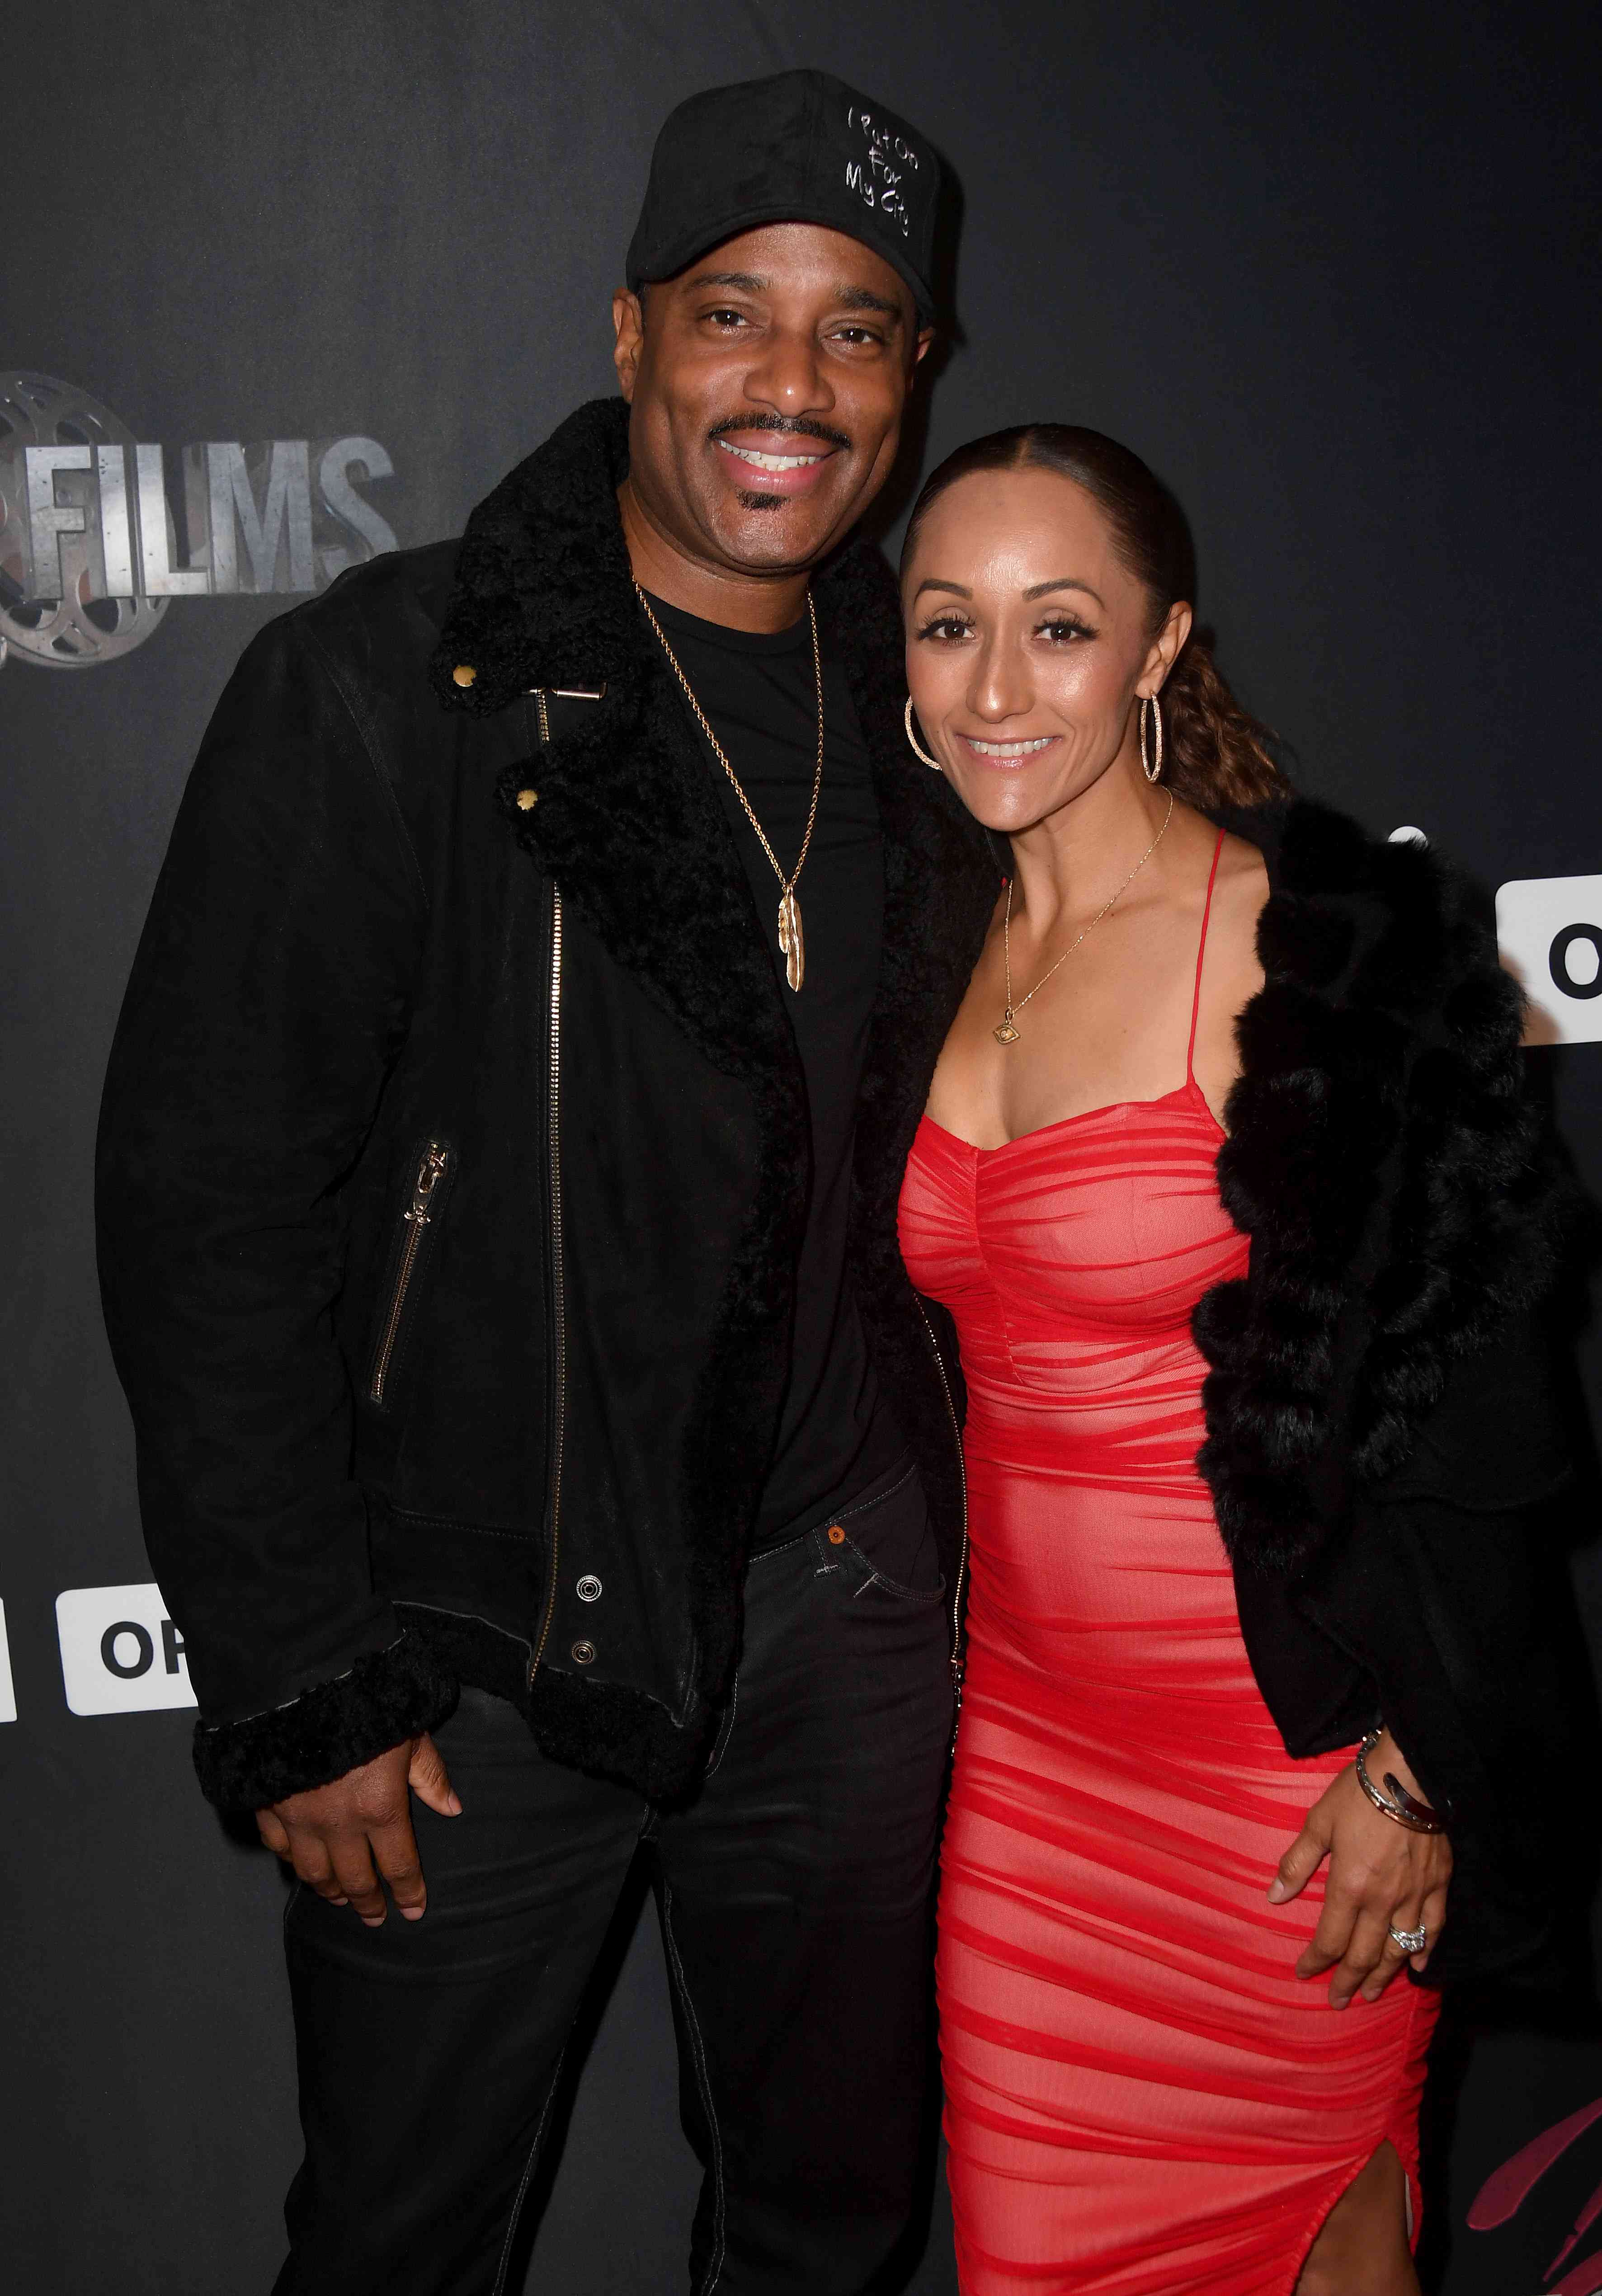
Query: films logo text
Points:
[99, 531]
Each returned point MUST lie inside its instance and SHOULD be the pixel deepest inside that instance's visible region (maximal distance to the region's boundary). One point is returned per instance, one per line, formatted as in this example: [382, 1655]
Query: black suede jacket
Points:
[452, 1170]
[454, 1156]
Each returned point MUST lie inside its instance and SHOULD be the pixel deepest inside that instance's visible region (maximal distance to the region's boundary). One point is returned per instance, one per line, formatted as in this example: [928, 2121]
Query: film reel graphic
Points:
[79, 629]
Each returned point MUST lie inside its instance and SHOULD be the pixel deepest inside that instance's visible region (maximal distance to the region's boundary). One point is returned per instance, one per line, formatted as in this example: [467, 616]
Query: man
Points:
[498, 1185]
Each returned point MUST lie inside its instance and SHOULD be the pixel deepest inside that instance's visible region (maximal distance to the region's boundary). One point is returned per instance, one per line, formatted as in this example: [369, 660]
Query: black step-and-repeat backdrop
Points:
[285, 285]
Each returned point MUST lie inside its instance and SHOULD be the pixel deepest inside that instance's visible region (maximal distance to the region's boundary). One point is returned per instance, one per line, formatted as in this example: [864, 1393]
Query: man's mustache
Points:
[791, 426]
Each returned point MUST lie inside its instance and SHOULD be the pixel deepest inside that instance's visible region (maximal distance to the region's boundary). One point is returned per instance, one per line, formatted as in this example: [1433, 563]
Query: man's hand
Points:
[341, 1838]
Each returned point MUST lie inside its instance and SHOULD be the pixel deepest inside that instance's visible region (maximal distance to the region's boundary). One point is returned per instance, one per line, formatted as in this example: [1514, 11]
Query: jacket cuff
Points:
[387, 1696]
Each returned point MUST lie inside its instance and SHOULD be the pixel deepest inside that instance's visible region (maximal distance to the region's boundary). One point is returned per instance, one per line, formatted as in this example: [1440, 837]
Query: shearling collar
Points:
[628, 820]
[1395, 1178]
[543, 595]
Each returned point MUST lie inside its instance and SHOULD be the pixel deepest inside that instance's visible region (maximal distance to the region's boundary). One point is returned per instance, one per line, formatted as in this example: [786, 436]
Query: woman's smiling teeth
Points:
[1009, 751]
[772, 462]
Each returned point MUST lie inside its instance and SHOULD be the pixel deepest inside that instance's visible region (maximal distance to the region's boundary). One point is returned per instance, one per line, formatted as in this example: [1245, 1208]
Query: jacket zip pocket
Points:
[558, 1303]
[962, 1477]
[416, 1219]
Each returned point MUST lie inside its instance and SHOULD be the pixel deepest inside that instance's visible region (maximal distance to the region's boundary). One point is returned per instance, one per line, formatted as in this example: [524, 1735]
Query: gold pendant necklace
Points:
[792, 947]
[1005, 1032]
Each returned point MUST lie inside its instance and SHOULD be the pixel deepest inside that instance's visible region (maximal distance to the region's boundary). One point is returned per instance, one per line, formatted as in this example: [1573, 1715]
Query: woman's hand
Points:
[1382, 1876]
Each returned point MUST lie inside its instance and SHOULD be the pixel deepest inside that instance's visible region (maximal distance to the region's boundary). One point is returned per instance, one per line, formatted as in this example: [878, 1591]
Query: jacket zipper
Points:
[962, 1477]
[431, 1171]
[558, 1307]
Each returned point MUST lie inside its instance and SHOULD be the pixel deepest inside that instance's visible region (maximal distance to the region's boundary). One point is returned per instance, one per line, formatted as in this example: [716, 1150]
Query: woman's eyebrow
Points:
[1035, 590]
[1068, 582]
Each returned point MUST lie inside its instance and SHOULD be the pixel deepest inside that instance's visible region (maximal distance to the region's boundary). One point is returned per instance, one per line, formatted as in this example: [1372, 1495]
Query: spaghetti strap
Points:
[1196, 1002]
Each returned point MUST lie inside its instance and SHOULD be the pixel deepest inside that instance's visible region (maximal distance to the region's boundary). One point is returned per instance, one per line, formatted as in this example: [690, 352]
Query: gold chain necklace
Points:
[792, 946]
[1006, 1033]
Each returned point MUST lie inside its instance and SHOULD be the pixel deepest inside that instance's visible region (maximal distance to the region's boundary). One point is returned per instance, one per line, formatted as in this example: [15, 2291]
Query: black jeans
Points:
[794, 1897]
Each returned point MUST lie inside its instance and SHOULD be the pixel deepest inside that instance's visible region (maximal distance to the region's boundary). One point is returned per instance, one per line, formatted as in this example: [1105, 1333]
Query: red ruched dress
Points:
[1142, 2099]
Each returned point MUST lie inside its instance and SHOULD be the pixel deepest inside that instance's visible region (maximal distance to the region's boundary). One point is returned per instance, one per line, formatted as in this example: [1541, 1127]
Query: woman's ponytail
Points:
[1215, 753]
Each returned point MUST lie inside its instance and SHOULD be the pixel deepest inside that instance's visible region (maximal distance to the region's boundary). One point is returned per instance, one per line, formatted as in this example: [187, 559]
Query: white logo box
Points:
[1549, 933]
[120, 1653]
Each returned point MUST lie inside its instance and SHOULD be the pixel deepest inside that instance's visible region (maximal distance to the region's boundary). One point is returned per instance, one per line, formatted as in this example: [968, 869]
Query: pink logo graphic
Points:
[1504, 2193]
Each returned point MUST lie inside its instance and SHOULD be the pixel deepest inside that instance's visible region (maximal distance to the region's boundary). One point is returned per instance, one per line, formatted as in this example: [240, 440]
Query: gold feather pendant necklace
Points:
[792, 946]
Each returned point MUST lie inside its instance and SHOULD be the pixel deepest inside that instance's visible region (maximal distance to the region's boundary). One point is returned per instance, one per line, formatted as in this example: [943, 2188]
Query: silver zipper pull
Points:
[430, 1173]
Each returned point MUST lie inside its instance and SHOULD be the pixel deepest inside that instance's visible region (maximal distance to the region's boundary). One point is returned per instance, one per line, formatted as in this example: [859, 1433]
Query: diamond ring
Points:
[1410, 1941]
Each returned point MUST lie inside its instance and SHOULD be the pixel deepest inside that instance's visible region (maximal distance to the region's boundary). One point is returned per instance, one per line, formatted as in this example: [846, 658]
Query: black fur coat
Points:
[1384, 1446]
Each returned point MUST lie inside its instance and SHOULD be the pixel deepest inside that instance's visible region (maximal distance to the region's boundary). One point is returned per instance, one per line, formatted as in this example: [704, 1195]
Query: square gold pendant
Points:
[1006, 1034]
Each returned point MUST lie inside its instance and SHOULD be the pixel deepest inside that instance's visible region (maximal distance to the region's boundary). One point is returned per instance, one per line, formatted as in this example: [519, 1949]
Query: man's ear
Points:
[925, 343]
[628, 320]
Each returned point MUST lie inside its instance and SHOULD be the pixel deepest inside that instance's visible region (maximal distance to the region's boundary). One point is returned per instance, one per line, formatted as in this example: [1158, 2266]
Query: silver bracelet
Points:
[1406, 1809]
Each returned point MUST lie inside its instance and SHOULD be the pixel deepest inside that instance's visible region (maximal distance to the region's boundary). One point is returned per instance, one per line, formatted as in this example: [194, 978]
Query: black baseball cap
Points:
[797, 147]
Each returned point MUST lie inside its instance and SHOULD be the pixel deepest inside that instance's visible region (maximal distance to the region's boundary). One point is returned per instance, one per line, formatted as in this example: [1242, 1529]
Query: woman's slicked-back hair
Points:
[1215, 753]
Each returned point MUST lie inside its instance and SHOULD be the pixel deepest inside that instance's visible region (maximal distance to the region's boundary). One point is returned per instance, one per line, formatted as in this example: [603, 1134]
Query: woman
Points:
[1258, 1681]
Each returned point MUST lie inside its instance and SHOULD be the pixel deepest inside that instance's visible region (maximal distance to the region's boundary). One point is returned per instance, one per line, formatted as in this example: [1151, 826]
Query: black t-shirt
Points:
[836, 1432]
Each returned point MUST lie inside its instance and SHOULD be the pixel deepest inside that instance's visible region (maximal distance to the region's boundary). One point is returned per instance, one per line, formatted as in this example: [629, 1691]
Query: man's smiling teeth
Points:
[769, 462]
[1008, 749]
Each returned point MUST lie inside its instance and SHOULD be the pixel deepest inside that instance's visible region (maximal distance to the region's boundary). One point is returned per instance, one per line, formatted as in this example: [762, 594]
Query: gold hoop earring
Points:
[1151, 766]
[932, 763]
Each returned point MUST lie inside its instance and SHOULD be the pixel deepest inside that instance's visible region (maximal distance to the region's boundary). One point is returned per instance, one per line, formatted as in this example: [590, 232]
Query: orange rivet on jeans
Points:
[836, 1535]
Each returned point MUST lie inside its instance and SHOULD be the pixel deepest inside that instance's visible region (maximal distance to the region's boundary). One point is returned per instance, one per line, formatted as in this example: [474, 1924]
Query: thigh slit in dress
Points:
[1142, 2099]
